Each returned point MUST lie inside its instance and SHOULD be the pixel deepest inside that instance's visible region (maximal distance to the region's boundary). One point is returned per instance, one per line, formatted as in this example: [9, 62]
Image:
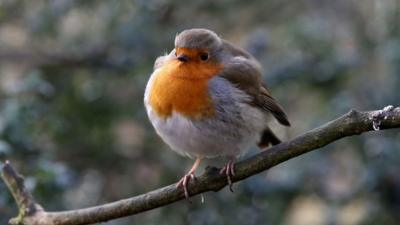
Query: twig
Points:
[25, 202]
[352, 123]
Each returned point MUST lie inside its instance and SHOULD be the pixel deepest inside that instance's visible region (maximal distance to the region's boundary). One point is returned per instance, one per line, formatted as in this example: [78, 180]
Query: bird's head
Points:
[181, 83]
[197, 46]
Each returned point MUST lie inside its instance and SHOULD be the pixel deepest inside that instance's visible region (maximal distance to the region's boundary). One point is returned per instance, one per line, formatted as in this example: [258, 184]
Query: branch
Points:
[352, 123]
[15, 183]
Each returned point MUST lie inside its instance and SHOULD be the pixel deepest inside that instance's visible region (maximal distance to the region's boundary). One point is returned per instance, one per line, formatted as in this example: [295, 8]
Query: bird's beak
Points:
[183, 58]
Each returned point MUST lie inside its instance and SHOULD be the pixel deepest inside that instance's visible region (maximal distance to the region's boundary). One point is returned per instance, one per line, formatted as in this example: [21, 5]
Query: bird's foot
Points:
[183, 183]
[229, 171]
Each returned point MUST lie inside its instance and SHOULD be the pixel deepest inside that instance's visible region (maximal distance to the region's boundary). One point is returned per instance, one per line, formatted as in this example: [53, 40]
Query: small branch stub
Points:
[380, 115]
[25, 202]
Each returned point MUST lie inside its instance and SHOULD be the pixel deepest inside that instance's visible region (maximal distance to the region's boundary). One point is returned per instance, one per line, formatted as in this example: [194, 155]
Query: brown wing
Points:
[245, 72]
[267, 102]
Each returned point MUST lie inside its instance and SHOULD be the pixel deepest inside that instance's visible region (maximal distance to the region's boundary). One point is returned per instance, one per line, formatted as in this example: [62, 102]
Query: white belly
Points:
[235, 127]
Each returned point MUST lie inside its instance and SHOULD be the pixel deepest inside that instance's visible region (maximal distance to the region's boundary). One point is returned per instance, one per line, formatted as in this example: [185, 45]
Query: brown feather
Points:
[267, 102]
[244, 71]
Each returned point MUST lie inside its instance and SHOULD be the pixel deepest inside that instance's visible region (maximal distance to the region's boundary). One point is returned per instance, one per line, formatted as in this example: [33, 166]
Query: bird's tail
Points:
[268, 138]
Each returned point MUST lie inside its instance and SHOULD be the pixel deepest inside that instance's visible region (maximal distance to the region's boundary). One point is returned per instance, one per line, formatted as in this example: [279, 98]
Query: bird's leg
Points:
[184, 181]
[229, 171]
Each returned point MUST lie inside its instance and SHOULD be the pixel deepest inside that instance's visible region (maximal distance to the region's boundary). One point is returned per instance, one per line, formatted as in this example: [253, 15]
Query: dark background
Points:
[72, 120]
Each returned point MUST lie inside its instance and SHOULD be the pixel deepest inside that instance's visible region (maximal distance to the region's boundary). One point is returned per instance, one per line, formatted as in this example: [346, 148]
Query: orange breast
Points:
[182, 87]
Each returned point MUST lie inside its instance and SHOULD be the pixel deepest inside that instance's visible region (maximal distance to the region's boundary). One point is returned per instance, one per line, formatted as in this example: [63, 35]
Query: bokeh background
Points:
[72, 120]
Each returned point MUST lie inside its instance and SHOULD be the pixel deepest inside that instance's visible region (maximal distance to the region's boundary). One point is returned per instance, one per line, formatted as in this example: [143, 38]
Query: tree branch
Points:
[352, 123]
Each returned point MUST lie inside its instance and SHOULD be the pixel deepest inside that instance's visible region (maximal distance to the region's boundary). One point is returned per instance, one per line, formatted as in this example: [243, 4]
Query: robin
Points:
[206, 99]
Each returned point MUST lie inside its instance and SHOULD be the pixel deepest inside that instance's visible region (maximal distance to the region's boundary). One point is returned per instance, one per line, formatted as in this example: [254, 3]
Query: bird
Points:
[206, 99]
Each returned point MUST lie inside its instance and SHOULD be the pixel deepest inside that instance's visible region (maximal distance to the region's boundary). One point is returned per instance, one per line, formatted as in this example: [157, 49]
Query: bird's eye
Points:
[204, 56]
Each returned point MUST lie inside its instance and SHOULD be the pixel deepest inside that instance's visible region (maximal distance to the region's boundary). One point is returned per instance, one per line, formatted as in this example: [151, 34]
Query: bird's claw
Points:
[229, 171]
[183, 183]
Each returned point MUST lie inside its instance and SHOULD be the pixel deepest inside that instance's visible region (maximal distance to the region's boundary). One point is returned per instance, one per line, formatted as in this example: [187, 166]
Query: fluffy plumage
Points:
[206, 99]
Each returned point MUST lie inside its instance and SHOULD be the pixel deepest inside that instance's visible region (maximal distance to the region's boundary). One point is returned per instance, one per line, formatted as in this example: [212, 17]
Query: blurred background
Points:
[72, 120]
